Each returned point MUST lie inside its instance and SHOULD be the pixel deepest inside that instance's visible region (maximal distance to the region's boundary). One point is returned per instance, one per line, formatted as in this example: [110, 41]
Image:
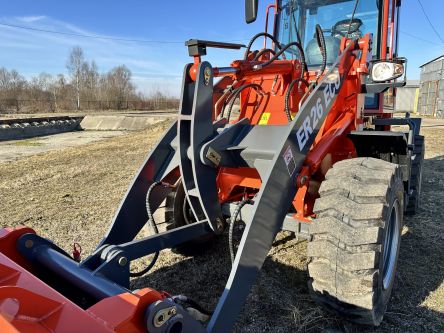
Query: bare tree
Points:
[74, 65]
[57, 87]
[89, 81]
[55, 92]
[120, 86]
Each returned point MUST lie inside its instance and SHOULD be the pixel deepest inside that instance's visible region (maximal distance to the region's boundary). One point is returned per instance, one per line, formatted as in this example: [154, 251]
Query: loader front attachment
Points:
[193, 150]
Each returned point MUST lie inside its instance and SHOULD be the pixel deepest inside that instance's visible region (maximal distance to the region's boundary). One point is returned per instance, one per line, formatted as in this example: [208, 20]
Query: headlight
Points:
[386, 70]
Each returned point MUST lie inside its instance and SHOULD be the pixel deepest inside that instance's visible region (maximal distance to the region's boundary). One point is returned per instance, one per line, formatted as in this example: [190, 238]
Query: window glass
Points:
[298, 19]
[301, 16]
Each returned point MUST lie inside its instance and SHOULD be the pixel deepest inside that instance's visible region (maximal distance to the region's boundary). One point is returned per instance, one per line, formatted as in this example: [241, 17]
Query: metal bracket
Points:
[169, 317]
[198, 47]
[112, 261]
[195, 127]
[276, 194]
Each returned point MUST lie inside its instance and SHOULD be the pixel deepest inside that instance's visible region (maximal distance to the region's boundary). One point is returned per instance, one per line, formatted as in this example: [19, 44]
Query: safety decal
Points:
[289, 161]
[265, 117]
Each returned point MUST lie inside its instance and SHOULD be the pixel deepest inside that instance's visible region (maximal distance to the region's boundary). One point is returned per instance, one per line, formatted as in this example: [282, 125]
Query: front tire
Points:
[177, 214]
[355, 238]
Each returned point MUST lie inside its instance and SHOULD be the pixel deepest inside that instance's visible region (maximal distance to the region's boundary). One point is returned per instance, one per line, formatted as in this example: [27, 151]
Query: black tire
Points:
[178, 214]
[416, 176]
[352, 267]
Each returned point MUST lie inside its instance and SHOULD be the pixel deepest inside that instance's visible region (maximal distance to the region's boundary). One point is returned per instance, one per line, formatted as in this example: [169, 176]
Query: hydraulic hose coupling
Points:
[165, 184]
[77, 252]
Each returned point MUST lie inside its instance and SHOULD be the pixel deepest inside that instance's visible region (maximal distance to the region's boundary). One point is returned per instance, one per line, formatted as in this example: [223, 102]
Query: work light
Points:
[386, 70]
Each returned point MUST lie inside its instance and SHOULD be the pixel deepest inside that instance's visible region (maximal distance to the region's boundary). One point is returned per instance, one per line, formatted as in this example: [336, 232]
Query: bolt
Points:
[160, 319]
[29, 243]
[172, 312]
[122, 261]
[219, 224]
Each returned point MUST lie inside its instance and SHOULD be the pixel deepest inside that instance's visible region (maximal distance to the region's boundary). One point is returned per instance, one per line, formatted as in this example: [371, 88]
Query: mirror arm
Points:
[376, 88]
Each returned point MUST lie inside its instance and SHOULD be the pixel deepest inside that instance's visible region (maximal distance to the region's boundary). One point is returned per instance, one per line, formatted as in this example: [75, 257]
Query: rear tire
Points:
[177, 214]
[355, 238]
[416, 176]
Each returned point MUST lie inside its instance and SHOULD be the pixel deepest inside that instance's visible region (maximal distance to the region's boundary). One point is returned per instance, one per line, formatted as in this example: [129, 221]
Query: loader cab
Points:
[296, 21]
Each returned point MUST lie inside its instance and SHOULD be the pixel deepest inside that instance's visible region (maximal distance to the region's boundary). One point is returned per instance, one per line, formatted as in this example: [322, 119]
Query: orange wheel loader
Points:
[308, 149]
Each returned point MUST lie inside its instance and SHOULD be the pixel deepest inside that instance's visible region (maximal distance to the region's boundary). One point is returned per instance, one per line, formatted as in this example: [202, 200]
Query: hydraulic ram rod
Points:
[43, 253]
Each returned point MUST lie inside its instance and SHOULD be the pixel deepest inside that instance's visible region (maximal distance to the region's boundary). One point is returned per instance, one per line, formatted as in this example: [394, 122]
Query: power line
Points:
[418, 38]
[430, 22]
[88, 36]
[99, 37]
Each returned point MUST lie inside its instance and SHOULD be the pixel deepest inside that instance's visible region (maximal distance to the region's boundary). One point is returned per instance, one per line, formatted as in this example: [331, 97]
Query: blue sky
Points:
[159, 66]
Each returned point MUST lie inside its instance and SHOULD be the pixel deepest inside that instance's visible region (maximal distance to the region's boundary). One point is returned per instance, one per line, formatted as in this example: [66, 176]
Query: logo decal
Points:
[326, 94]
[289, 161]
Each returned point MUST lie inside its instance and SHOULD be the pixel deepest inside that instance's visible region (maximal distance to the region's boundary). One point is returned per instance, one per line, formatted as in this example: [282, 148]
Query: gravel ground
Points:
[70, 196]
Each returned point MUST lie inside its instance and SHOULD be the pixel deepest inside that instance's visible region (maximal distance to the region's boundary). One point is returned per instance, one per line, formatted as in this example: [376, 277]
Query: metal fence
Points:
[45, 106]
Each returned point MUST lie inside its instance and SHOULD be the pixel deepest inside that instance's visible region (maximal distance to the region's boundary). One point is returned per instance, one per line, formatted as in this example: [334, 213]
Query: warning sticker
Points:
[289, 161]
[264, 118]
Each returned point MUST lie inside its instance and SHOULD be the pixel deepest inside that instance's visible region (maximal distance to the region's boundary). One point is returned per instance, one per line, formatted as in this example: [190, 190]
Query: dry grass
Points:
[71, 195]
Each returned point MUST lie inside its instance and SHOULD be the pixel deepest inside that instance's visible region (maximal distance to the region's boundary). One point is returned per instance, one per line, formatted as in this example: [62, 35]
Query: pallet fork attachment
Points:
[106, 272]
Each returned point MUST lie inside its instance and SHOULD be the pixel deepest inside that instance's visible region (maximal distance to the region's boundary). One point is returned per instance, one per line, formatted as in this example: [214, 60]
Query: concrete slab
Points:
[38, 127]
[122, 122]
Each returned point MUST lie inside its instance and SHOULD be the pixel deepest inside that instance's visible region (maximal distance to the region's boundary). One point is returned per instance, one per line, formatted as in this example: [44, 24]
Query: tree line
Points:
[84, 88]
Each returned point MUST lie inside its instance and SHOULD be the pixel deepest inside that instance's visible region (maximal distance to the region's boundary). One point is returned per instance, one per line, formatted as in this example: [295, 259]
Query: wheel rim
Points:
[391, 246]
[188, 213]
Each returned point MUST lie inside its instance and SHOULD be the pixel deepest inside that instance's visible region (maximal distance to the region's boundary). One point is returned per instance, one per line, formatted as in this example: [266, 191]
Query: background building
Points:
[431, 97]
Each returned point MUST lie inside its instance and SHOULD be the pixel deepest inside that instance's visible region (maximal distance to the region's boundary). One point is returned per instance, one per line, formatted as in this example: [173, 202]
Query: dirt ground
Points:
[16, 149]
[71, 195]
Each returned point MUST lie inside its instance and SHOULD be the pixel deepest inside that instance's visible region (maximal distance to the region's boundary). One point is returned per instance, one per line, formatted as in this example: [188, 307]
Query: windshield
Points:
[297, 22]
[298, 19]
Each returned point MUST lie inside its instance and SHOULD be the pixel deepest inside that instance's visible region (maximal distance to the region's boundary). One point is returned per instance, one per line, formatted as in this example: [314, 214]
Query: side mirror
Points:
[251, 10]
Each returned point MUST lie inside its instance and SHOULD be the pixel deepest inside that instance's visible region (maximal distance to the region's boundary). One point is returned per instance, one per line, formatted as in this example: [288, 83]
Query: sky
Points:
[158, 66]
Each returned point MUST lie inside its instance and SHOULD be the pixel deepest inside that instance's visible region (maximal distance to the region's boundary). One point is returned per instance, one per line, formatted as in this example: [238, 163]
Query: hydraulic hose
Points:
[321, 43]
[153, 227]
[250, 44]
[261, 52]
[301, 51]
[227, 101]
[236, 94]
[288, 93]
[231, 228]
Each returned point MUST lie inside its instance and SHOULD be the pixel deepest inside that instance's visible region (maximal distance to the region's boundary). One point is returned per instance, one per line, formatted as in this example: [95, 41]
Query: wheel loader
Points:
[296, 135]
